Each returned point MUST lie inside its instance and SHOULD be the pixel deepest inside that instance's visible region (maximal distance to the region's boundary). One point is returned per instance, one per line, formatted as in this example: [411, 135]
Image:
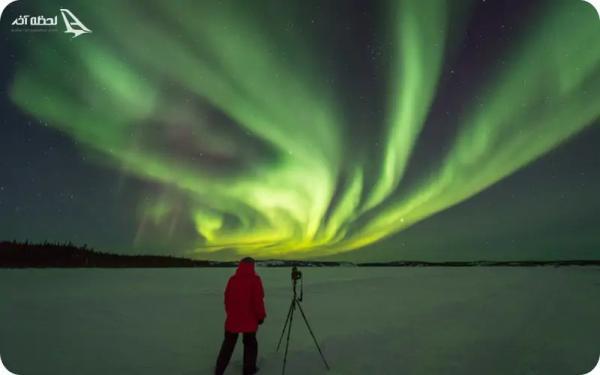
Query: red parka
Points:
[244, 302]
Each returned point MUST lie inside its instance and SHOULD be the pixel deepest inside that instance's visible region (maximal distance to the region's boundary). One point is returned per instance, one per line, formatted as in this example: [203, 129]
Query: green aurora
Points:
[235, 109]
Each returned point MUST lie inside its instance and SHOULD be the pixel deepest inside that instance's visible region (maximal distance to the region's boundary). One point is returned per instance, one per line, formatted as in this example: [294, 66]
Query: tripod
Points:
[290, 317]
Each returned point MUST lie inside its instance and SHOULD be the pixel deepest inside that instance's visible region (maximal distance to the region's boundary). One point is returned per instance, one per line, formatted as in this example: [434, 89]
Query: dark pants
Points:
[250, 352]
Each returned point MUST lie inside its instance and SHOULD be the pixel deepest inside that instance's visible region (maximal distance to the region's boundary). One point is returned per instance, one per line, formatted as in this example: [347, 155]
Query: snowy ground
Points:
[368, 321]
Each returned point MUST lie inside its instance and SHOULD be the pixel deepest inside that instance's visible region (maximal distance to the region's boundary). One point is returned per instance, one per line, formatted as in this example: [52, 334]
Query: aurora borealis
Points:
[300, 129]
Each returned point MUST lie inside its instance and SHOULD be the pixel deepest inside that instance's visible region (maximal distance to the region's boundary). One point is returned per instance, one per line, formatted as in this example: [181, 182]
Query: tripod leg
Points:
[287, 343]
[285, 325]
[313, 336]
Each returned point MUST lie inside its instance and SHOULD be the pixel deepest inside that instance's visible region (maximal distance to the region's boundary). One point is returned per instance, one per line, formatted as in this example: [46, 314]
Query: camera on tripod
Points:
[296, 303]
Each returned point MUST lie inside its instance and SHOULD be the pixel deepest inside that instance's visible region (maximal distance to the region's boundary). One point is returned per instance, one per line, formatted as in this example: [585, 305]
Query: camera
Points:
[296, 274]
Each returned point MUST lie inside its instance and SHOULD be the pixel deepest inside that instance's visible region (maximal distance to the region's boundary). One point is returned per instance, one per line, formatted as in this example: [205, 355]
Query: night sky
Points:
[357, 130]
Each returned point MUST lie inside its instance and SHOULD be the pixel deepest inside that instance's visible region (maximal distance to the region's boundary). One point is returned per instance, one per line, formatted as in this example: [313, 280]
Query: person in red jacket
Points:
[245, 308]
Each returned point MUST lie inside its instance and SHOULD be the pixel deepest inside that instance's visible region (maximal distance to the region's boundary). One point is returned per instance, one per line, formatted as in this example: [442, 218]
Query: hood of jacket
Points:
[245, 268]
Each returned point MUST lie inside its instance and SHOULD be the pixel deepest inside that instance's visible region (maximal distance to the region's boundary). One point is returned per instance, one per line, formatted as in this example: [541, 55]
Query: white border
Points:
[595, 370]
[595, 4]
[3, 5]
[4, 370]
